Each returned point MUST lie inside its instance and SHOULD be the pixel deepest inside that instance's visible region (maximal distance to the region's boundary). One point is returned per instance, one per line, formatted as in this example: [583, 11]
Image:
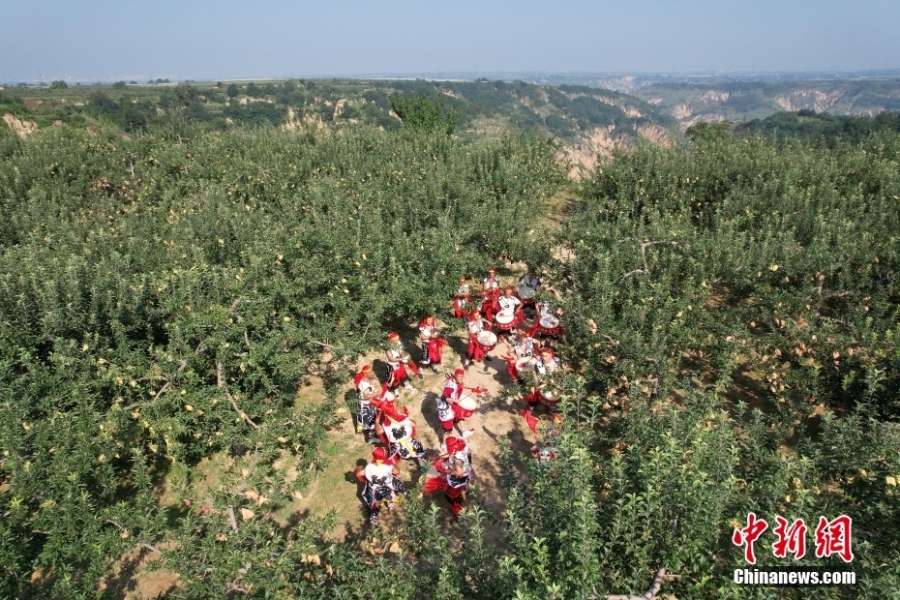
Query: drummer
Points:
[491, 291]
[548, 313]
[543, 370]
[521, 347]
[529, 284]
[428, 337]
[368, 392]
[462, 299]
[397, 359]
[475, 325]
[510, 304]
[449, 411]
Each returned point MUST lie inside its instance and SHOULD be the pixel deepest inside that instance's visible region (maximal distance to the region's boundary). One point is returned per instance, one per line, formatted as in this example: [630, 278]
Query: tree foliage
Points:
[424, 114]
[163, 295]
[731, 312]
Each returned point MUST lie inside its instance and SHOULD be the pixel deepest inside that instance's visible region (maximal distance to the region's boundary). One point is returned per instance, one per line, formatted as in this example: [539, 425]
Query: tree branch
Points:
[115, 524]
[149, 547]
[232, 309]
[644, 247]
[629, 274]
[232, 520]
[648, 595]
[182, 364]
[220, 381]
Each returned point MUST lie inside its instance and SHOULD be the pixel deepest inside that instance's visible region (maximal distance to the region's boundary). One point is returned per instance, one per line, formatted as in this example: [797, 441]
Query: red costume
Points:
[474, 326]
[397, 360]
[382, 485]
[490, 291]
[529, 284]
[461, 300]
[400, 432]
[452, 474]
[542, 371]
[431, 343]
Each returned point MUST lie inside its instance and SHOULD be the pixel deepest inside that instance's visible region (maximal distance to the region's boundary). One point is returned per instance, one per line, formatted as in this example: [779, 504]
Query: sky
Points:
[102, 40]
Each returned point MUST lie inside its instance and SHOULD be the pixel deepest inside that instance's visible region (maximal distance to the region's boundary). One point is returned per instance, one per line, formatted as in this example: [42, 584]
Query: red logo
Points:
[790, 539]
[831, 537]
[748, 535]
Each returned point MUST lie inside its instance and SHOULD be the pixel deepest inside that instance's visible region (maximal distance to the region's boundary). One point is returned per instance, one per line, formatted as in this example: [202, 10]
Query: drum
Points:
[506, 320]
[525, 292]
[525, 365]
[487, 340]
[547, 398]
[547, 453]
[468, 403]
[549, 325]
[464, 408]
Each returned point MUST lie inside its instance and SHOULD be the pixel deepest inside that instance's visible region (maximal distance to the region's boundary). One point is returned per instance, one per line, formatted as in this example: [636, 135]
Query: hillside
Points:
[192, 275]
[586, 120]
[744, 101]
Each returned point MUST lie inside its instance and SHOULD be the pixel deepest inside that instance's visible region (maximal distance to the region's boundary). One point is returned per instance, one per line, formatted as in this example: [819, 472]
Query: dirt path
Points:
[496, 422]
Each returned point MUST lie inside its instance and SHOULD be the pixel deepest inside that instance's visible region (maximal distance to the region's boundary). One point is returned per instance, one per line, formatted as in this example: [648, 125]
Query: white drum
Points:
[468, 403]
[547, 397]
[487, 340]
[525, 365]
[549, 322]
[525, 292]
[505, 317]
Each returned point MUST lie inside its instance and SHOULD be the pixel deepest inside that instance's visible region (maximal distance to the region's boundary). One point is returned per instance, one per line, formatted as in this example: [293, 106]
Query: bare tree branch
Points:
[232, 520]
[182, 364]
[644, 247]
[232, 309]
[629, 274]
[149, 547]
[651, 593]
[115, 524]
[220, 381]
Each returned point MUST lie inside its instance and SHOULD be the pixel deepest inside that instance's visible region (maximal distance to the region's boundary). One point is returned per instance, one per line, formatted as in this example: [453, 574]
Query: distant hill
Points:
[740, 97]
[690, 103]
[820, 128]
[586, 120]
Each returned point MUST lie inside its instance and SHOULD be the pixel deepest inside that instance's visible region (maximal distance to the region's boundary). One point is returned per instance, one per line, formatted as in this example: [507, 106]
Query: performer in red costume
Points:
[529, 284]
[461, 300]
[430, 346]
[449, 410]
[452, 473]
[475, 325]
[382, 484]
[368, 390]
[400, 432]
[397, 359]
[522, 347]
[510, 313]
[543, 370]
[491, 291]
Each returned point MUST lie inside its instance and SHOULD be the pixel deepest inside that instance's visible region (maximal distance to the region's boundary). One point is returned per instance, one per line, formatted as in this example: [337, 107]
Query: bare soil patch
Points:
[335, 487]
[22, 127]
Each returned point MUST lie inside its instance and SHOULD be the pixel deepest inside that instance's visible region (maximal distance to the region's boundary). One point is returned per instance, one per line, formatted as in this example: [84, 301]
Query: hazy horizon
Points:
[44, 40]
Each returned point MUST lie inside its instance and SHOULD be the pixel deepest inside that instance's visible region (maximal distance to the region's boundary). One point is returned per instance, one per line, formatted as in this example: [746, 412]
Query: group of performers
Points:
[530, 363]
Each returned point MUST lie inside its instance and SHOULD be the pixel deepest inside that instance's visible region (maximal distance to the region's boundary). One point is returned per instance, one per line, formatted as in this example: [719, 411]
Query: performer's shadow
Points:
[429, 412]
